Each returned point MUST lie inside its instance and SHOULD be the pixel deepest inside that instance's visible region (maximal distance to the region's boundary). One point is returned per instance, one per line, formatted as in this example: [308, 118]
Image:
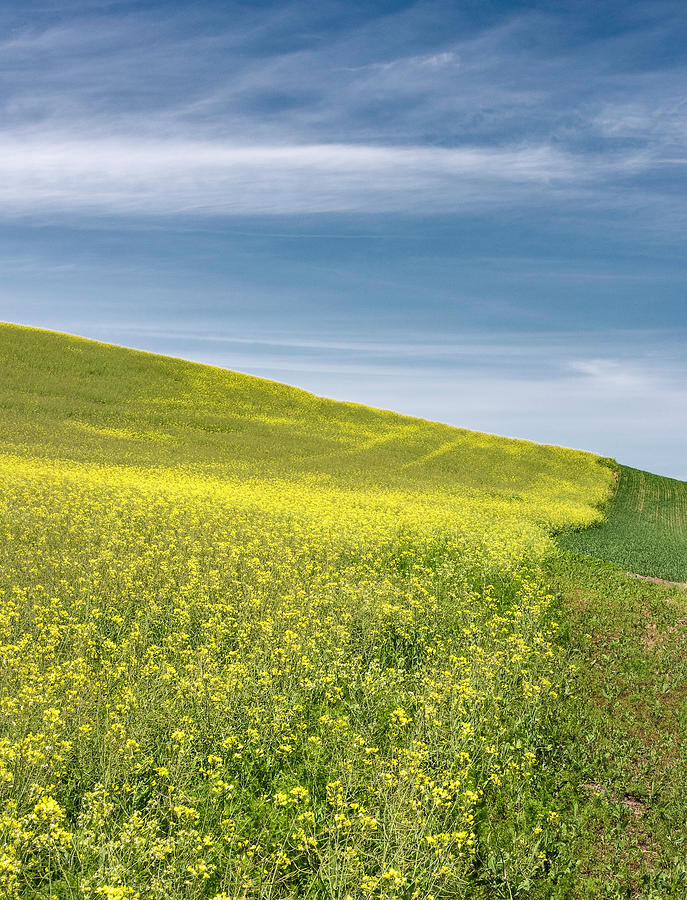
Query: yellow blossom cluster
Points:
[206, 693]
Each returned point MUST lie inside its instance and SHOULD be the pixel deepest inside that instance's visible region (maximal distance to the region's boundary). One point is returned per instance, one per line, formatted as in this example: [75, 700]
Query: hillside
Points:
[76, 400]
[257, 644]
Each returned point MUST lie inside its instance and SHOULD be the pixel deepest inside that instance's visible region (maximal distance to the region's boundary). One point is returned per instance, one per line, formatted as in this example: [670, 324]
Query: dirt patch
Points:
[654, 580]
[579, 602]
[651, 636]
[636, 806]
[594, 788]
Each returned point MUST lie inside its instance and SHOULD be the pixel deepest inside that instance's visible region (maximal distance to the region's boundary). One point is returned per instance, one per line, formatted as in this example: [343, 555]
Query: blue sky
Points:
[471, 211]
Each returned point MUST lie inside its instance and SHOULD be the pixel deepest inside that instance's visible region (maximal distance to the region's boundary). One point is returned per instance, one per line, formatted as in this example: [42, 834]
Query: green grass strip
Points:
[615, 768]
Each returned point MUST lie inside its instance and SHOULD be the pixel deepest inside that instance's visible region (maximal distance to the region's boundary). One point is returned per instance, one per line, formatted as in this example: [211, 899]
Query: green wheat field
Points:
[259, 644]
[645, 529]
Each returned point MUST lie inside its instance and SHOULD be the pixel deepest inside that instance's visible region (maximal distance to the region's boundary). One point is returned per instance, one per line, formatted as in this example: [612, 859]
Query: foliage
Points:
[645, 529]
[255, 644]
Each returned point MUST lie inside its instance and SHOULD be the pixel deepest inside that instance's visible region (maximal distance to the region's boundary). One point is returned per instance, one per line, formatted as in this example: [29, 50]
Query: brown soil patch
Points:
[652, 578]
[636, 806]
[579, 602]
[651, 636]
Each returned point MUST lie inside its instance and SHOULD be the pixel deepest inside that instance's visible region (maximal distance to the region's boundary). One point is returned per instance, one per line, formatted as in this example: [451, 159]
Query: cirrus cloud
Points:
[51, 173]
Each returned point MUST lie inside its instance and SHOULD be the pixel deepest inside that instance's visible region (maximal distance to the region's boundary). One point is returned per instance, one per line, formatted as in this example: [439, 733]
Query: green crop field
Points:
[259, 645]
[645, 529]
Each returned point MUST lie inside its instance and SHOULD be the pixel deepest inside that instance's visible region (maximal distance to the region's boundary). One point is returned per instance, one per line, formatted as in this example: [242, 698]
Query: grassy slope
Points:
[71, 399]
[645, 529]
[218, 646]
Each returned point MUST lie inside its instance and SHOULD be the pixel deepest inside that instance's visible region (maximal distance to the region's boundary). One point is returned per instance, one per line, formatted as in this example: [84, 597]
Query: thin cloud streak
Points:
[635, 353]
[117, 176]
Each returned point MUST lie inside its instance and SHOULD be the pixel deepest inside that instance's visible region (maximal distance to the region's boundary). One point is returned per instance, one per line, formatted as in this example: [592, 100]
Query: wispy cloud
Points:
[53, 173]
[609, 374]
[277, 111]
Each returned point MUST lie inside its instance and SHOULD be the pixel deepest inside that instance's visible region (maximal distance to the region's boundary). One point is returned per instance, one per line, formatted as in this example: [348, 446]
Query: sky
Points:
[474, 212]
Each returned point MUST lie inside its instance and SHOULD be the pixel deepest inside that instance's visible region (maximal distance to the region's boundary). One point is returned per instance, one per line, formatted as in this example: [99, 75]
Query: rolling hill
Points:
[259, 644]
[72, 399]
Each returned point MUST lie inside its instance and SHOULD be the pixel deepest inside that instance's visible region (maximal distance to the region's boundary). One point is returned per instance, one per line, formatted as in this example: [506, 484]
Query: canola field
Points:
[645, 529]
[257, 644]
